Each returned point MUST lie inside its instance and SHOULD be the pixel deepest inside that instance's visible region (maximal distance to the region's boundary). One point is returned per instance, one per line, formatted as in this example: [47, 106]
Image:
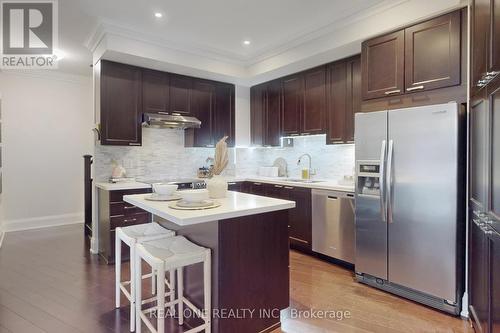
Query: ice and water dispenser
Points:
[368, 173]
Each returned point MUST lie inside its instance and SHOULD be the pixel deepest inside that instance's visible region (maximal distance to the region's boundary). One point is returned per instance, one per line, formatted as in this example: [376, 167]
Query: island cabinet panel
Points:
[114, 212]
[293, 97]
[432, 53]
[202, 106]
[120, 104]
[494, 263]
[382, 61]
[479, 151]
[155, 91]
[180, 87]
[494, 103]
[344, 99]
[300, 217]
[314, 109]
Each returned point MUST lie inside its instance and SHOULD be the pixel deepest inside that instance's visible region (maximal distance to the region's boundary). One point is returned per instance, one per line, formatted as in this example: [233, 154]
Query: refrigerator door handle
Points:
[382, 181]
[389, 181]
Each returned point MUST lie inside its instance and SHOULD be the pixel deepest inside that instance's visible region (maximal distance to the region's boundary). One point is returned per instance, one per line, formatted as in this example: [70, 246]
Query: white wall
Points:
[46, 128]
[242, 116]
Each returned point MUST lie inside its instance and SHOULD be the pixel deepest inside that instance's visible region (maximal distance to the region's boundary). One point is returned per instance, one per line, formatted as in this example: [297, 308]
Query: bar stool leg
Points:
[207, 287]
[172, 290]
[118, 270]
[138, 292]
[133, 281]
[160, 296]
[180, 294]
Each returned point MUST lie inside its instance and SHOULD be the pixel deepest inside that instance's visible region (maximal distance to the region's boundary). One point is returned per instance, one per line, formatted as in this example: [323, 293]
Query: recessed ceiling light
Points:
[158, 15]
[246, 42]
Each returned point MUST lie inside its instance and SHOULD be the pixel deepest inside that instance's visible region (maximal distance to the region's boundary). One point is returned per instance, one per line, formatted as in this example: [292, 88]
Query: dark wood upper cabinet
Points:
[480, 37]
[120, 104]
[432, 53]
[344, 99]
[180, 87]
[155, 91]
[382, 60]
[479, 151]
[272, 126]
[223, 119]
[257, 114]
[494, 56]
[202, 104]
[314, 111]
[494, 103]
[293, 97]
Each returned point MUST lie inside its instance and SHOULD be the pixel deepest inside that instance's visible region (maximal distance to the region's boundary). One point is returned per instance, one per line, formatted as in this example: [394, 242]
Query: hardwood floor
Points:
[48, 283]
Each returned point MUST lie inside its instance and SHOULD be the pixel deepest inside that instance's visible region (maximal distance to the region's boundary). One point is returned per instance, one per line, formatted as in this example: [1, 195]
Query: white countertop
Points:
[107, 186]
[321, 184]
[234, 205]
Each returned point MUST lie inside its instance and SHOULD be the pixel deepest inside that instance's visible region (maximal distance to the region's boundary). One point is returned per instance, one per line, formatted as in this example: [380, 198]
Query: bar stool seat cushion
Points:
[144, 232]
[174, 251]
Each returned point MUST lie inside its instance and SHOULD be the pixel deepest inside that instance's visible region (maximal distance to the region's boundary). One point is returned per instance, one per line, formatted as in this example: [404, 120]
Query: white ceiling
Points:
[215, 26]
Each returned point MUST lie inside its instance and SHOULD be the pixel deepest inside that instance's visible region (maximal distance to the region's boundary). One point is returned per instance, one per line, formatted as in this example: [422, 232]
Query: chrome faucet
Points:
[311, 170]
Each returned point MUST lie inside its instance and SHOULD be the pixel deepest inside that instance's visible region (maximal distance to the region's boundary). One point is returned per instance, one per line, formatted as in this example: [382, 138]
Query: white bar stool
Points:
[168, 255]
[132, 235]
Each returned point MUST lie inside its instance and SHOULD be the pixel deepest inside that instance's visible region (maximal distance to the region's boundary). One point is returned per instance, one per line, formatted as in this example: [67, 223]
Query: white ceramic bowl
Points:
[164, 189]
[194, 195]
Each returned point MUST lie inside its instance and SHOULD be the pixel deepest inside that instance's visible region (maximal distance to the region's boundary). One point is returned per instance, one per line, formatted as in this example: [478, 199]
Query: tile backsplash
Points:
[163, 155]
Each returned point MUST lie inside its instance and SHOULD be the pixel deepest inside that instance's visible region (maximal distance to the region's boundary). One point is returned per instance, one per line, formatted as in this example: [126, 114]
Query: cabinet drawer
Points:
[117, 196]
[124, 209]
[124, 221]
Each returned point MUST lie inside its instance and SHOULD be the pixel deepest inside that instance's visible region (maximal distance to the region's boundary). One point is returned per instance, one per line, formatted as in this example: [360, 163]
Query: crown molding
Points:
[47, 74]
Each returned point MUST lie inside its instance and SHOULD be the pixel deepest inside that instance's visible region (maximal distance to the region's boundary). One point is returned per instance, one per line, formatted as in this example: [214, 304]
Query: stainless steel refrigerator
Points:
[410, 203]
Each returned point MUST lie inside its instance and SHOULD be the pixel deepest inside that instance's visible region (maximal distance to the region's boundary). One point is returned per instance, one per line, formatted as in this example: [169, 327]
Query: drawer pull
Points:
[278, 186]
[231, 183]
[258, 184]
[134, 144]
[129, 207]
[415, 88]
[289, 187]
[390, 92]
[299, 240]
[129, 220]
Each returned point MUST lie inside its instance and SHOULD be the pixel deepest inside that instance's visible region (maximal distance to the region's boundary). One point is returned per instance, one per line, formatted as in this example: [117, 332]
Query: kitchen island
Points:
[248, 235]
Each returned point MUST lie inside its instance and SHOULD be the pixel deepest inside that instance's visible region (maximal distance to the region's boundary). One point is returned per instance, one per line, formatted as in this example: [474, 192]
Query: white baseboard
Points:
[42, 222]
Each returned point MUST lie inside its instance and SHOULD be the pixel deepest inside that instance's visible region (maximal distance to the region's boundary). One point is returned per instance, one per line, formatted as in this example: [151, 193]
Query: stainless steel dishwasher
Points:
[333, 229]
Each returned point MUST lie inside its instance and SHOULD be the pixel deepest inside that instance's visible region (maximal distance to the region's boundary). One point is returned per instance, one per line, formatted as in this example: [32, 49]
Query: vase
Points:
[217, 187]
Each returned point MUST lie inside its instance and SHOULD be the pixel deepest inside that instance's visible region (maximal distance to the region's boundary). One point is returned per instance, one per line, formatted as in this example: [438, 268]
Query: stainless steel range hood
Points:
[164, 120]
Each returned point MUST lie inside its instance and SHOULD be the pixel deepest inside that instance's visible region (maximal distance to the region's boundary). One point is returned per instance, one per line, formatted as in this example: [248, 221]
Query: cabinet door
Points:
[338, 102]
[480, 38]
[478, 277]
[257, 188]
[494, 267]
[293, 93]
[382, 61]
[300, 217]
[224, 113]
[432, 53]
[257, 114]
[355, 98]
[121, 104]
[494, 61]
[155, 91]
[314, 112]
[180, 87]
[479, 151]
[272, 124]
[494, 104]
[202, 107]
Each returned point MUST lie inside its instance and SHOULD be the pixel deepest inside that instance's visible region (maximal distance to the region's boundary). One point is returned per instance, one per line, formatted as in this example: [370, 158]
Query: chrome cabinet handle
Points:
[164, 113]
[294, 134]
[389, 181]
[492, 73]
[278, 186]
[306, 133]
[390, 92]
[289, 187]
[129, 220]
[382, 181]
[258, 184]
[415, 88]
[231, 183]
[209, 146]
[129, 207]
[133, 144]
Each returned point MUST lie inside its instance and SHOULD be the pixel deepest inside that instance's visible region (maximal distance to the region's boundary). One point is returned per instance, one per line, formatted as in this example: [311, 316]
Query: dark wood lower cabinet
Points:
[494, 264]
[299, 219]
[113, 213]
